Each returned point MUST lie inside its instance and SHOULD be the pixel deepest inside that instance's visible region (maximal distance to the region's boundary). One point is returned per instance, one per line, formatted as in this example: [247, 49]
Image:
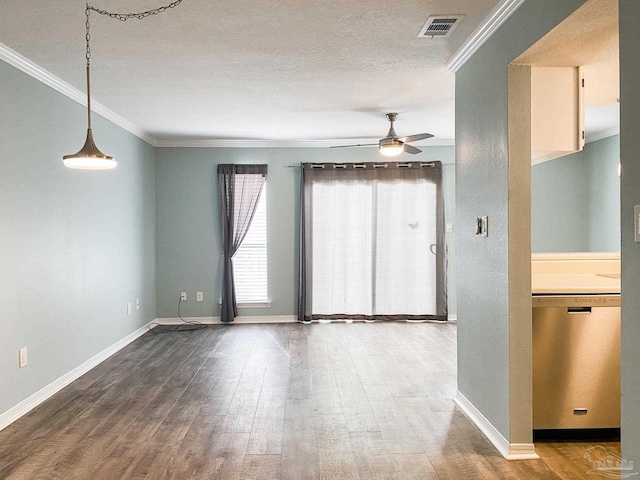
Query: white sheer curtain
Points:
[343, 239]
[372, 244]
[405, 265]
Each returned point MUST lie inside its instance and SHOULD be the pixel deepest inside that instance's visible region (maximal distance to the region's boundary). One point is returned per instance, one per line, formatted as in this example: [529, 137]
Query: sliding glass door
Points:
[372, 242]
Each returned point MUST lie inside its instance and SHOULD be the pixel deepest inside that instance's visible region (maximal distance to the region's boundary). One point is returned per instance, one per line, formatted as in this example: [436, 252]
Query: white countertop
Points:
[573, 284]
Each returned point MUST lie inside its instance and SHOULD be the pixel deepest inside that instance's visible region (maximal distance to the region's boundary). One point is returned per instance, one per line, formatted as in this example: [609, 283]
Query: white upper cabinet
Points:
[557, 112]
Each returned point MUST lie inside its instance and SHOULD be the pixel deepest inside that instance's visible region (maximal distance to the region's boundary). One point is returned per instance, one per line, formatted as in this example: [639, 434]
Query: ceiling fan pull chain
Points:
[123, 17]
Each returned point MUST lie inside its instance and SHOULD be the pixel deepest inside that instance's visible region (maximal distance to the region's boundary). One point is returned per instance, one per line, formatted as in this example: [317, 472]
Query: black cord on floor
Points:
[186, 326]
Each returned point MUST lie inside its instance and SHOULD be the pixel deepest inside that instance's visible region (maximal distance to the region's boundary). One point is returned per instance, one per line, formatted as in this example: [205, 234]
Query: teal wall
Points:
[188, 235]
[575, 201]
[559, 205]
[75, 246]
[603, 199]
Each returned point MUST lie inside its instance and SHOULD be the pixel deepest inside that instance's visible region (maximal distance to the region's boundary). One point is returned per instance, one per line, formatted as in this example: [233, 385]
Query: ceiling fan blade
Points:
[358, 145]
[411, 149]
[415, 138]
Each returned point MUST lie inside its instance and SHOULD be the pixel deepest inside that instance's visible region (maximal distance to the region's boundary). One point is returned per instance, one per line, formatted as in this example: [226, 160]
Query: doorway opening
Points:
[564, 146]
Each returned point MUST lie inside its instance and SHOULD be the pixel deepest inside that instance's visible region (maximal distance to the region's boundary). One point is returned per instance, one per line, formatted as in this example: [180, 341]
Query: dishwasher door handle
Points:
[578, 310]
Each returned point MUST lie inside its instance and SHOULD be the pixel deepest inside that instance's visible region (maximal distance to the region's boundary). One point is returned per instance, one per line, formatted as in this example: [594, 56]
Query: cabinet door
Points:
[576, 367]
[557, 112]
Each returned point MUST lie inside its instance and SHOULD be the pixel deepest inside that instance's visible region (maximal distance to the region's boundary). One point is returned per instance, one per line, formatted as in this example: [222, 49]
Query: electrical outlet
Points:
[129, 308]
[449, 227]
[137, 304]
[22, 357]
[199, 296]
[183, 296]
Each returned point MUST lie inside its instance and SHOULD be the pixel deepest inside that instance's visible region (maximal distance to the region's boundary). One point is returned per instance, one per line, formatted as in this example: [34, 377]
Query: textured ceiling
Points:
[286, 70]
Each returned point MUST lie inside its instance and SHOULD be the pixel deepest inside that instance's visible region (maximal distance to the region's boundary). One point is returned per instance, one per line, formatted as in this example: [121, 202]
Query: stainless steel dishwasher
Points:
[576, 362]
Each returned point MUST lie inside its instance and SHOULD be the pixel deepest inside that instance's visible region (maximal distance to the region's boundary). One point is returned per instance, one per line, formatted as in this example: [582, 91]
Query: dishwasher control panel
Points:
[576, 300]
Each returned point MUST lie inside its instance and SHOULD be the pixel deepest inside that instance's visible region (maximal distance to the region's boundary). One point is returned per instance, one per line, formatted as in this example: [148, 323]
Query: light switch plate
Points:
[636, 222]
[484, 226]
[22, 357]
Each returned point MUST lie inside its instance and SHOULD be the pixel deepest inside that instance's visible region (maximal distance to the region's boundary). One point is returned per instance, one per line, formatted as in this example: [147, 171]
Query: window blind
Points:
[250, 261]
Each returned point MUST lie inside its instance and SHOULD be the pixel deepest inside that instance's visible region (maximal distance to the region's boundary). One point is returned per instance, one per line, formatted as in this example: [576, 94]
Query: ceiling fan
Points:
[392, 145]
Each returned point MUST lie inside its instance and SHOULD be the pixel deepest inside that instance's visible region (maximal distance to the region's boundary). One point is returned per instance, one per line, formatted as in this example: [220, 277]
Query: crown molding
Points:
[27, 66]
[497, 17]
[285, 143]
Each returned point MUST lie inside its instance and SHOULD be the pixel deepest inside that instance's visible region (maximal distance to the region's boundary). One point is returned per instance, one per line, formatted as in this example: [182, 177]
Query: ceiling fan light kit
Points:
[90, 157]
[392, 145]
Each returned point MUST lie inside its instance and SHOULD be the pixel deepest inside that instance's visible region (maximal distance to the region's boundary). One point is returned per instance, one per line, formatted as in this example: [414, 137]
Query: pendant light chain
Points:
[88, 35]
[88, 56]
[123, 17]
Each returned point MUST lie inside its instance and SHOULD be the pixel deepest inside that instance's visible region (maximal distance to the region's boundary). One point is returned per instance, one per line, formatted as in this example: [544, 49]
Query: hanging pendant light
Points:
[89, 157]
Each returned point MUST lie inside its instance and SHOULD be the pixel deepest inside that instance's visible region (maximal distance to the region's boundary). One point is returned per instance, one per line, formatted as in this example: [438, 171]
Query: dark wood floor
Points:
[289, 401]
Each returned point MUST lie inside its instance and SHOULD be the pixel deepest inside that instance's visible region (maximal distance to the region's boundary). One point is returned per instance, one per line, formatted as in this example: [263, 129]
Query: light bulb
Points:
[391, 150]
[90, 163]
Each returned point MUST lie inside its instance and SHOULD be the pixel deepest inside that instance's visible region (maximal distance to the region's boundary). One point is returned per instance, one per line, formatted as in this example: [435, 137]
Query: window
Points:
[250, 261]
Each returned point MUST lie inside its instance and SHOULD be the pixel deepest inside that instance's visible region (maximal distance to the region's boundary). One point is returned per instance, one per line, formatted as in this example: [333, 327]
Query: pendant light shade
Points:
[89, 157]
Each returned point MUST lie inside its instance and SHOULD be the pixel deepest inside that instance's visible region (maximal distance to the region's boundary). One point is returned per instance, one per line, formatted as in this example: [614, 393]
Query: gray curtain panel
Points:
[239, 189]
[378, 234]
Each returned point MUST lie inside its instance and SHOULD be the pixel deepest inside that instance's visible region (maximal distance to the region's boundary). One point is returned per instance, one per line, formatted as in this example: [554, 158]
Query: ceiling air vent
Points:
[440, 26]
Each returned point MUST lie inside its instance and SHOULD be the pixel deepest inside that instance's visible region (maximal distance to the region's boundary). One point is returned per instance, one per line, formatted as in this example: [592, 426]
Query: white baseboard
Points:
[238, 320]
[28, 404]
[510, 451]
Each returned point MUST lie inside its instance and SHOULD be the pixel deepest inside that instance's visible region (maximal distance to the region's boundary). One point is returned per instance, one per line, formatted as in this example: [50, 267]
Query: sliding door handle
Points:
[433, 248]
